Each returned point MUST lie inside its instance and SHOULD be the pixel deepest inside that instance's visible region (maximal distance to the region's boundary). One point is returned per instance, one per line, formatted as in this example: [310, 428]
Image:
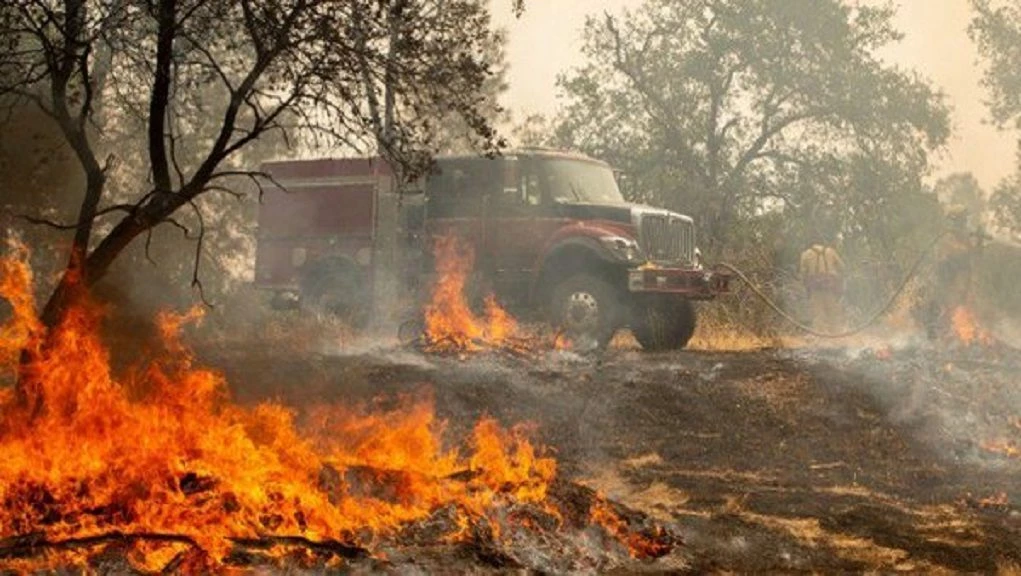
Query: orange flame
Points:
[967, 328]
[450, 324]
[16, 287]
[639, 545]
[1006, 448]
[998, 500]
[562, 342]
[165, 451]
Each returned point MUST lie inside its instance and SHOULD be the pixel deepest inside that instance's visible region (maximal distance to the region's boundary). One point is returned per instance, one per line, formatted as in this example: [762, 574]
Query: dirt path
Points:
[764, 461]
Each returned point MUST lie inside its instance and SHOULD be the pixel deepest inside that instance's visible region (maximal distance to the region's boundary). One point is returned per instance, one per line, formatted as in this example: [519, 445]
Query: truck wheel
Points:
[338, 292]
[411, 330]
[664, 323]
[587, 309]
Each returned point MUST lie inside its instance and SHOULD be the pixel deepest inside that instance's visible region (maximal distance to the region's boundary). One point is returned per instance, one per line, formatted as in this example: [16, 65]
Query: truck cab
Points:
[554, 235]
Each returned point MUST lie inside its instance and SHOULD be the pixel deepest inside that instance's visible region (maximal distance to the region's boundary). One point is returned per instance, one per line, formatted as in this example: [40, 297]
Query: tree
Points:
[996, 29]
[727, 109]
[961, 188]
[534, 129]
[1005, 203]
[451, 135]
[295, 68]
[38, 178]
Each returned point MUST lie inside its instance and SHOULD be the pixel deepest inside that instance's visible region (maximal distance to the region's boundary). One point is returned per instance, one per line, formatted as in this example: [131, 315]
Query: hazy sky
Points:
[546, 40]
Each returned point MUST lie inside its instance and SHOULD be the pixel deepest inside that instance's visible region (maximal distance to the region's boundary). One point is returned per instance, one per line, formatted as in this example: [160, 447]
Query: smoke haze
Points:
[546, 40]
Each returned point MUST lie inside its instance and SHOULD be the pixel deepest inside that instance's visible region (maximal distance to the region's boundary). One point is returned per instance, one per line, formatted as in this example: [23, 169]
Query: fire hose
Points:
[872, 319]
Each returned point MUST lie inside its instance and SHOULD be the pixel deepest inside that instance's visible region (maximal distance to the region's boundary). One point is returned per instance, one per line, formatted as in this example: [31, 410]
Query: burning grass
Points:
[162, 464]
[967, 328]
[450, 323]
[452, 327]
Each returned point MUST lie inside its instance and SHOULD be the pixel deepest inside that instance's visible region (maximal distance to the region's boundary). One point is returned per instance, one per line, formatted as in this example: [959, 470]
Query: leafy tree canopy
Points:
[726, 109]
[996, 29]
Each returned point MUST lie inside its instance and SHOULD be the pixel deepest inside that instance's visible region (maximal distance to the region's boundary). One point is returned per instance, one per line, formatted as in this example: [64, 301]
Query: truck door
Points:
[456, 193]
[519, 221]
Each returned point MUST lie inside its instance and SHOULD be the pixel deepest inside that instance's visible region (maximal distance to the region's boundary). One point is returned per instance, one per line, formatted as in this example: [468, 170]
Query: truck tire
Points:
[338, 291]
[587, 310]
[664, 323]
[411, 330]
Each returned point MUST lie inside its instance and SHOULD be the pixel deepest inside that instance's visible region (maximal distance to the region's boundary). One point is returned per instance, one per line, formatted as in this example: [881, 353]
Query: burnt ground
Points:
[815, 460]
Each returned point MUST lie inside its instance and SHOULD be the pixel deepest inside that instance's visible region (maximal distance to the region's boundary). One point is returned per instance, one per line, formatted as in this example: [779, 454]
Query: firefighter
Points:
[952, 274]
[822, 274]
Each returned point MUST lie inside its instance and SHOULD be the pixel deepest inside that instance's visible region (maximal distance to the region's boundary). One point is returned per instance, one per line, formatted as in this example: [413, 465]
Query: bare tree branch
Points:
[195, 281]
[128, 208]
[256, 176]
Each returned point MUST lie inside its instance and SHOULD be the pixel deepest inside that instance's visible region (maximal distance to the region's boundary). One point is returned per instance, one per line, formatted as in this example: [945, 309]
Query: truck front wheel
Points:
[663, 323]
[587, 309]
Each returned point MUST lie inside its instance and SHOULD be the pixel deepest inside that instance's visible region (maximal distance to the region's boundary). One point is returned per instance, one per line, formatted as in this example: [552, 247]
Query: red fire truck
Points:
[553, 239]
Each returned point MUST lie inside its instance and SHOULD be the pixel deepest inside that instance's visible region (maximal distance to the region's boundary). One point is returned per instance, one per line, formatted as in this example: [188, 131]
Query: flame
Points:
[450, 324]
[967, 328]
[1005, 448]
[998, 500]
[638, 545]
[16, 287]
[562, 342]
[164, 452]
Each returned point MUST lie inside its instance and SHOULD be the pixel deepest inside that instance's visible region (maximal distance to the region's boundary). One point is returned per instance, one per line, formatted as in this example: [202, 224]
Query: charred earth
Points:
[822, 459]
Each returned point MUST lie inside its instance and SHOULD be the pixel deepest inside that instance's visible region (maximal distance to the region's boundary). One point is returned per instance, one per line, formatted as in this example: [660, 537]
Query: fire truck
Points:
[552, 236]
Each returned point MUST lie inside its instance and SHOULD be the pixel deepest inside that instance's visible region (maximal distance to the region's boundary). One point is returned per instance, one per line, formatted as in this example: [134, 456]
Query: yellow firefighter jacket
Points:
[821, 268]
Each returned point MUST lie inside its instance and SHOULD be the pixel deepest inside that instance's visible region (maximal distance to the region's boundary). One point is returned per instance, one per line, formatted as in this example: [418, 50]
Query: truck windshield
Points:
[580, 182]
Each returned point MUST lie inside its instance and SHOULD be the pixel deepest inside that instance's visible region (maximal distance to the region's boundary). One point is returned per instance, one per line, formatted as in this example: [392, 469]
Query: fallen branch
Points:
[32, 544]
[349, 551]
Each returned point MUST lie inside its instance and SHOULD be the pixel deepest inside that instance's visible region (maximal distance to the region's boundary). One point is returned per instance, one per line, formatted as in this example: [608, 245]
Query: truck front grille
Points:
[668, 239]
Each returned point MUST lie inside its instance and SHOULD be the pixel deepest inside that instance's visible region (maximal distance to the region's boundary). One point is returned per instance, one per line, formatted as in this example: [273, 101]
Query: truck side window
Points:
[509, 194]
[531, 189]
[457, 187]
[524, 193]
[514, 191]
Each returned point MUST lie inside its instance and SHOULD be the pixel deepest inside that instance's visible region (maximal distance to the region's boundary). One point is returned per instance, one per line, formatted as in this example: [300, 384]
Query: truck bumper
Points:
[692, 284]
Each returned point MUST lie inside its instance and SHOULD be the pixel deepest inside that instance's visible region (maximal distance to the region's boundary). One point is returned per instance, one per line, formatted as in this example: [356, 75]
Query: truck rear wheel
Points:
[664, 323]
[587, 309]
[338, 292]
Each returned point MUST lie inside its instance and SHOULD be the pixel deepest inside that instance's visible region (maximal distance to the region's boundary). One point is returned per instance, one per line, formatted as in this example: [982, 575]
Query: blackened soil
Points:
[785, 461]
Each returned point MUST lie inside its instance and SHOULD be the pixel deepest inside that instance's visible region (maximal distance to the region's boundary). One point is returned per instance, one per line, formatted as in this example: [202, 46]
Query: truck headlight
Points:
[625, 249]
[698, 259]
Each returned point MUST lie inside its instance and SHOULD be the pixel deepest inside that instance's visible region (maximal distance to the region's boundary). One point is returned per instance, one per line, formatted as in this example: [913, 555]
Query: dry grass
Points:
[1006, 568]
[809, 532]
[720, 330]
